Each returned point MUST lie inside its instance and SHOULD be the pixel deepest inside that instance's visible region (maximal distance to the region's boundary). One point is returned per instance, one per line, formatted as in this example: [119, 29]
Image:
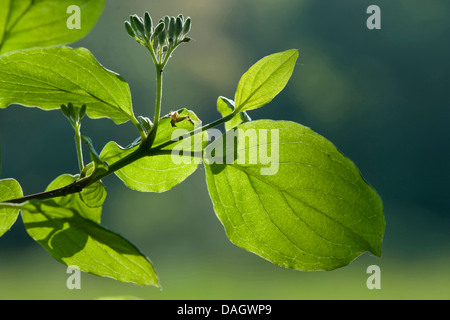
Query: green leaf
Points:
[225, 107]
[9, 189]
[67, 227]
[30, 23]
[88, 203]
[1, 168]
[47, 77]
[264, 80]
[162, 171]
[291, 197]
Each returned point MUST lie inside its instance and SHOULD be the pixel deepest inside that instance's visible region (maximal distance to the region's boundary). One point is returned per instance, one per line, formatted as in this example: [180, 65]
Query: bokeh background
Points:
[381, 96]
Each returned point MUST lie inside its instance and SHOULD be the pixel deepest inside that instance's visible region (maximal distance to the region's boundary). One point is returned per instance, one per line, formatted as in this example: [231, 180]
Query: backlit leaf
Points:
[264, 80]
[67, 227]
[226, 106]
[41, 23]
[291, 197]
[49, 77]
[163, 171]
[9, 189]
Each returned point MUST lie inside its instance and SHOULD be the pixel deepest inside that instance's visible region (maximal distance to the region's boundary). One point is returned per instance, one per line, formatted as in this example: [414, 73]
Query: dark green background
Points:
[381, 96]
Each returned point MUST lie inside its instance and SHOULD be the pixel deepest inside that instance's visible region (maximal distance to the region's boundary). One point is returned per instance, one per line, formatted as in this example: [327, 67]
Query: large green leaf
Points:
[67, 227]
[49, 77]
[160, 172]
[9, 189]
[291, 197]
[40, 23]
[264, 80]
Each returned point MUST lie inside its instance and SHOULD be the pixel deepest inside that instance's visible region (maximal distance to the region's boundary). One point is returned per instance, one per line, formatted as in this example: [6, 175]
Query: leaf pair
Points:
[69, 229]
[288, 194]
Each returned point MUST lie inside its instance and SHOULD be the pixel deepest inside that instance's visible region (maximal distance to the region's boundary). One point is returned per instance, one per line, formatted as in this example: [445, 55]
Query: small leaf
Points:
[163, 171]
[87, 203]
[225, 107]
[98, 163]
[148, 23]
[264, 80]
[46, 77]
[171, 28]
[162, 38]
[178, 26]
[292, 198]
[137, 24]
[158, 29]
[25, 23]
[82, 112]
[93, 196]
[146, 123]
[9, 189]
[130, 29]
[187, 26]
[167, 22]
[67, 227]
[66, 112]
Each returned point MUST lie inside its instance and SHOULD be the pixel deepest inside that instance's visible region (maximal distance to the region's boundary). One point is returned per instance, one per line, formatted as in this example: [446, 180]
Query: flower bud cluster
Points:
[74, 114]
[161, 38]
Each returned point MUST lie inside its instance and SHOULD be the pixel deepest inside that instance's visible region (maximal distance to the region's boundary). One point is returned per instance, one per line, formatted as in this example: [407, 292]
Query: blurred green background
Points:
[381, 96]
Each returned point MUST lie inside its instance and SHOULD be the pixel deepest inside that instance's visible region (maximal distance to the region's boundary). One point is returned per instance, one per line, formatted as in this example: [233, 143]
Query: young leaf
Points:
[304, 207]
[178, 26]
[47, 77]
[159, 28]
[264, 80]
[163, 171]
[171, 28]
[137, 24]
[9, 189]
[27, 23]
[146, 123]
[148, 23]
[67, 227]
[130, 29]
[88, 203]
[225, 107]
[187, 26]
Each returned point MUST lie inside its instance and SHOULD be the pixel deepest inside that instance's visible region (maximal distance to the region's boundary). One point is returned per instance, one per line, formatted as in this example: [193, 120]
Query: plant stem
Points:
[79, 147]
[79, 185]
[159, 92]
[168, 54]
[142, 151]
[159, 88]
